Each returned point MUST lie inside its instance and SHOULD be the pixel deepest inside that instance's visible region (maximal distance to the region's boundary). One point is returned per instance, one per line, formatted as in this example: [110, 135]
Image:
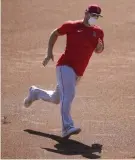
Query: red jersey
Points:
[81, 42]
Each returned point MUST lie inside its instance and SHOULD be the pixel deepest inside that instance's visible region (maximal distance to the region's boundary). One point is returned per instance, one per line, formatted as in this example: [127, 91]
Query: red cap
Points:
[94, 9]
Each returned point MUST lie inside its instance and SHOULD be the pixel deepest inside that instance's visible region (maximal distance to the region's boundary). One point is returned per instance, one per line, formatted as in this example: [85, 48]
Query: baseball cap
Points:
[94, 9]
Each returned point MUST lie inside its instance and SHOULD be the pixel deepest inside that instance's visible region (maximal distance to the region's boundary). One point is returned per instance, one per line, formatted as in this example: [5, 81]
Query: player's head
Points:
[92, 13]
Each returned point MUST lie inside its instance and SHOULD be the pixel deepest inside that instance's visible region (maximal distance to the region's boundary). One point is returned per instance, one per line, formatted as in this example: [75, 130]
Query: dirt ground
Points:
[104, 106]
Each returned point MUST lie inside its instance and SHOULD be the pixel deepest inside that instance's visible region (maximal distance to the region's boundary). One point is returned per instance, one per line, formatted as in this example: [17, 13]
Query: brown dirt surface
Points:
[104, 106]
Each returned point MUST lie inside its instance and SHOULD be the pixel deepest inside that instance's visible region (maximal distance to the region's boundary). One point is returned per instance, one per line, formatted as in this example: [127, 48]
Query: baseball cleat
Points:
[31, 97]
[70, 132]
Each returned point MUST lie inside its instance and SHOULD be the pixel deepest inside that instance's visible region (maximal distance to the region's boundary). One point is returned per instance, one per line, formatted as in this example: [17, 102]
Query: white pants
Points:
[63, 94]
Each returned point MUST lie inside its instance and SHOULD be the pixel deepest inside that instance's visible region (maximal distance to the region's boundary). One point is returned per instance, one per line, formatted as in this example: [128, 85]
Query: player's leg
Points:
[66, 78]
[36, 93]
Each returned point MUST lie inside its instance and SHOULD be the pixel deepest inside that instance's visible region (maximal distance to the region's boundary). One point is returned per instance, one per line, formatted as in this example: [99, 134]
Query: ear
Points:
[87, 15]
[86, 12]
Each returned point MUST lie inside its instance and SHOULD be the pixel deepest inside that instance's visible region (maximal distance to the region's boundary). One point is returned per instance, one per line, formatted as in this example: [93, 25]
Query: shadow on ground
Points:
[70, 147]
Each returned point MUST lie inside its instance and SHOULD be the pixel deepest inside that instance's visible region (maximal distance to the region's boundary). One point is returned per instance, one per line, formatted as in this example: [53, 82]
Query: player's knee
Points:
[55, 98]
[57, 101]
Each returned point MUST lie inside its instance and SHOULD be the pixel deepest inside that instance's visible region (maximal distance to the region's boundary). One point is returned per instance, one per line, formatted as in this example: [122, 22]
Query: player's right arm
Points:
[53, 37]
[62, 30]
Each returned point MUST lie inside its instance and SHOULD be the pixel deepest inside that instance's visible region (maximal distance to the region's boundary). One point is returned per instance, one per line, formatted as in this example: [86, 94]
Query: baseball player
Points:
[83, 38]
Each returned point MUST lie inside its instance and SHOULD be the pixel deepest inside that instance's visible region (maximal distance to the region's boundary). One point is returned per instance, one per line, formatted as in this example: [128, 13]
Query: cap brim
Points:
[98, 14]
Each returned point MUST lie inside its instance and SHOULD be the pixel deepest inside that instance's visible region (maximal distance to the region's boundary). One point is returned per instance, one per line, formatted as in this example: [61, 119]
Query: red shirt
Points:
[81, 42]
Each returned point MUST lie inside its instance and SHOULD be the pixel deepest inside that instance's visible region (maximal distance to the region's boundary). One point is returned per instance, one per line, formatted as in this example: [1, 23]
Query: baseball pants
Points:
[63, 94]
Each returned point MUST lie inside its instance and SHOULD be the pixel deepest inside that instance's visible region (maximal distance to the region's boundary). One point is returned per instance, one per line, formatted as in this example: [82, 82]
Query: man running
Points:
[83, 38]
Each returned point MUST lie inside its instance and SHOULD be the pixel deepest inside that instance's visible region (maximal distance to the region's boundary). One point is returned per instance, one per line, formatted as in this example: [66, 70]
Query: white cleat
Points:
[31, 97]
[70, 132]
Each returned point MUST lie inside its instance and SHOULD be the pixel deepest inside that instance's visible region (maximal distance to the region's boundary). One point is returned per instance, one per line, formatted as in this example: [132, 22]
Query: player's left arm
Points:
[100, 44]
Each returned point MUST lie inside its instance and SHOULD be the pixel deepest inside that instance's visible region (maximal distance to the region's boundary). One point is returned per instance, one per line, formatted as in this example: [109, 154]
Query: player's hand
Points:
[100, 46]
[47, 59]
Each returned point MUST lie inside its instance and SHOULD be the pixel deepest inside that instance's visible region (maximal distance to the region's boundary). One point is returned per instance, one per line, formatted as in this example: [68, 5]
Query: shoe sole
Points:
[72, 133]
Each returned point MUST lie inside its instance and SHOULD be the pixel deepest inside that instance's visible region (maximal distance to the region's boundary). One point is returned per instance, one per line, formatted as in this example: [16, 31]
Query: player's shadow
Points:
[70, 147]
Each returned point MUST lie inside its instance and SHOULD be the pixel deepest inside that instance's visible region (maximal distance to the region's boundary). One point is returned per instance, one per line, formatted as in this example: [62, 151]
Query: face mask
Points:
[92, 21]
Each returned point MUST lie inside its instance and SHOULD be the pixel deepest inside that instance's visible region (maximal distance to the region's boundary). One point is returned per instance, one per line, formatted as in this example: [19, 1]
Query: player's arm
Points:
[100, 44]
[64, 29]
[52, 40]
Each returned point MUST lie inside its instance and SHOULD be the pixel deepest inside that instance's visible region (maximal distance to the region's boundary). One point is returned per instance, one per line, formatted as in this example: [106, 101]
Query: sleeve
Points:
[65, 28]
